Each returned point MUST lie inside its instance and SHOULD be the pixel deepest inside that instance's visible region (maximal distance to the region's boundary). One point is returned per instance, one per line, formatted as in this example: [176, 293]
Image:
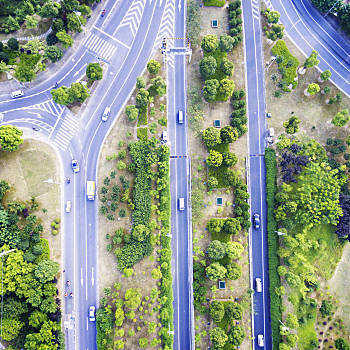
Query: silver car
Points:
[92, 310]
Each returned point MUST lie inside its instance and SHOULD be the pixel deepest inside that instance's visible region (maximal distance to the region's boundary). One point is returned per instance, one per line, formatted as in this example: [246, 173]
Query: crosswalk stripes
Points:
[256, 9]
[132, 18]
[66, 132]
[100, 46]
[268, 4]
[49, 106]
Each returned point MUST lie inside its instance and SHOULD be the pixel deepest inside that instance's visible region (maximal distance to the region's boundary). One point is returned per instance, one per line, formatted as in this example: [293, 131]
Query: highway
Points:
[309, 30]
[255, 89]
[125, 39]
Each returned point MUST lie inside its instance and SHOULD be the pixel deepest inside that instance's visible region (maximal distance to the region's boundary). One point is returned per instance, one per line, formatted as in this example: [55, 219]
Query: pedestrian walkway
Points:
[27, 38]
[100, 46]
[68, 129]
[49, 106]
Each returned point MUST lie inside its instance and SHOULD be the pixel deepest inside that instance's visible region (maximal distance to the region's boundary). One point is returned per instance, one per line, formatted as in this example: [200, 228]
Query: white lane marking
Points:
[112, 37]
[87, 324]
[92, 277]
[81, 278]
[78, 71]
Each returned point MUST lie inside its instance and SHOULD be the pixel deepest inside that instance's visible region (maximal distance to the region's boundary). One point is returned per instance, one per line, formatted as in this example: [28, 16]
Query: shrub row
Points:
[238, 116]
[275, 282]
[287, 64]
[235, 16]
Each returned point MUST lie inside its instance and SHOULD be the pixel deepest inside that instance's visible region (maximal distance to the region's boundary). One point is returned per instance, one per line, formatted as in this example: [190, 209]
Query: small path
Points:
[27, 38]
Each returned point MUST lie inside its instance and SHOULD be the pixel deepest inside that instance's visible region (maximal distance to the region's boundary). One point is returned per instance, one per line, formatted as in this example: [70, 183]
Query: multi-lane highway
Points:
[309, 30]
[125, 40]
[255, 88]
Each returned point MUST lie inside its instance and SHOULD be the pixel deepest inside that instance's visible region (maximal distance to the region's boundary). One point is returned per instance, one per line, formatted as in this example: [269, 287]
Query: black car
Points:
[256, 221]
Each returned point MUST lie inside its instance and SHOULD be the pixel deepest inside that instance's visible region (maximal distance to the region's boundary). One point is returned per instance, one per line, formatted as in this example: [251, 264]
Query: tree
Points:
[53, 53]
[4, 58]
[342, 344]
[11, 328]
[227, 67]
[142, 98]
[216, 311]
[234, 271]
[210, 43]
[46, 271]
[214, 159]
[282, 270]
[61, 95]
[313, 88]
[13, 44]
[325, 75]
[10, 138]
[119, 317]
[228, 134]
[31, 22]
[140, 232]
[143, 342]
[44, 338]
[236, 335]
[65, 39]
[341, 118]
[57, 25]
[140, 83]
[158, 86]
[229, 159]
[94, 71]
[273, 16]
[211, 136]
[153, 66]
[312, 60]
[216, 250]
[292, 125]
[283, 346]
[74, 22]
[344, 17]
[207, 66]
[78, 92]
[226, 43]
[215, 271]
[50, 9]
[292, 321]
[234, 311]
[70, 5]
[212, 182]
[232, 226]
[11, 24]
[292, 339]
[326, 308]
[132, 112]
[133, 298]
[218, 337]
[226, 88]
[210, 89]
[234, 250]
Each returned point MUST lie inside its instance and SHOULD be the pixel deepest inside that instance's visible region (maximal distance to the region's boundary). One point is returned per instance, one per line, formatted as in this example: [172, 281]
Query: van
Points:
[68, 206]
[258, 285]
[90, 190]
[106, 114]
[261, 340]
[17, 93]
[181, 204]
[180, 117]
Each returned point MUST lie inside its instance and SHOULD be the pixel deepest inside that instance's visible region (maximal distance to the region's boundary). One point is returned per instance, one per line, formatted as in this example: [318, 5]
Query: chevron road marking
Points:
[48, 106]
[66, 132]
[268, 4]
[256, 9]
[133, 17]
[99, 46]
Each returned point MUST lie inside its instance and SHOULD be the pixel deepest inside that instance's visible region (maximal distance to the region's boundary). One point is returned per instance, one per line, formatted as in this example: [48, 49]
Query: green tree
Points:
[158, 86]
[3, 65]
[216, 250]
[292, 339]
[325, 75]
[342, 344]
[143, 342]
[215, 271]
[85, 10]
[31, 22]
[78, 92]
[214, 159]
[232, 226]
[45, 338]
[61, 95]
[226, 43]
[236, 335]
[341, 118]
[218, 337]
[210, 89]
[70, 5]
[228, 134]
[65, 39]
[234, 271]
[234, 311]
[283, 346]
[46, 270]
[326, 308]
[211, 136]
[142, 99]
[227, 67]
[156, 274]
[153, 66]
[292, 321]
[226, 88]
[133, 298]
[140, 83]
[229, 159]
[24, 73]
[53, 53]
[11, 24]
[207, 66]
[50, 9]
[132, 112]
[140, 232]
[216, 311]
[94, 71]
[11, 328]
[292, 125]
[312, 60]
[119, 317]
[234, 250]
[210, 43]
[10, 138]
[74, 23]
[313, 88]
[273, 16]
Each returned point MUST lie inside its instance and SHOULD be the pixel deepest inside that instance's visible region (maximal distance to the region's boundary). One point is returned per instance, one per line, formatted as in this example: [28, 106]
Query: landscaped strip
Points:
[275, 282]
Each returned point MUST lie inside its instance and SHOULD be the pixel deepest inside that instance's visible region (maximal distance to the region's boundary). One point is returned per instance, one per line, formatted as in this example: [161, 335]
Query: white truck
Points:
[90, 190]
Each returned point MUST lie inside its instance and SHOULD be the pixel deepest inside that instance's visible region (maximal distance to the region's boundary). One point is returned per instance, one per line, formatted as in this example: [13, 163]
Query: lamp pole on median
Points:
[331, 9]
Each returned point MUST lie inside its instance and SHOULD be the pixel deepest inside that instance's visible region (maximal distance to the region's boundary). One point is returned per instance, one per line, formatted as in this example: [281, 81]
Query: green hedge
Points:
[288, 66]
[142, 134]
[217, 3]
[275, 282]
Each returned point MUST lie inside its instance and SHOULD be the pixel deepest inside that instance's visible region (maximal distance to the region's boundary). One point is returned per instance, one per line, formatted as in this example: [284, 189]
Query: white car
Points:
[106, 114]
[92, 310]
[261, 340]
[68, 206]
[75, 166]
[258, 285]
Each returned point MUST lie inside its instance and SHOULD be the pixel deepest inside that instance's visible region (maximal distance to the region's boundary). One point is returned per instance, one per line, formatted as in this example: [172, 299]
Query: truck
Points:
[90, 190]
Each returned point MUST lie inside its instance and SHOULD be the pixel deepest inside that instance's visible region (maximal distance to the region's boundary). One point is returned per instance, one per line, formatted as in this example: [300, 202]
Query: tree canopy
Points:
[10, 138]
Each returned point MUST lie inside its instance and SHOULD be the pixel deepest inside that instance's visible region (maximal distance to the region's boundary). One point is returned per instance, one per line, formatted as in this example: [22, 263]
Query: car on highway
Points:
[106, 114]
[258, 285]
[68, 206]
[256, 221]
[75, 166]
[92, 310]
[261, 340]
[181, 204]
[180, 117]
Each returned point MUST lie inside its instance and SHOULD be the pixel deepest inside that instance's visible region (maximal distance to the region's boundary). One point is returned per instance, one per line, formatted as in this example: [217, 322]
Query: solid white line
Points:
[81, 277]
[112, 37]
[77, 72]
[54, 127]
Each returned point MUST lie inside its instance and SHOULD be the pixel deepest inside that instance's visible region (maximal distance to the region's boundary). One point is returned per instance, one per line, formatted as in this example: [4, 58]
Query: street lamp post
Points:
[331, 9]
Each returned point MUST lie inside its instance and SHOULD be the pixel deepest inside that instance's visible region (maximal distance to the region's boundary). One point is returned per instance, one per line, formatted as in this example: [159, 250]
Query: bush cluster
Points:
[276, 31]
[238, 116]
[235, 16]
